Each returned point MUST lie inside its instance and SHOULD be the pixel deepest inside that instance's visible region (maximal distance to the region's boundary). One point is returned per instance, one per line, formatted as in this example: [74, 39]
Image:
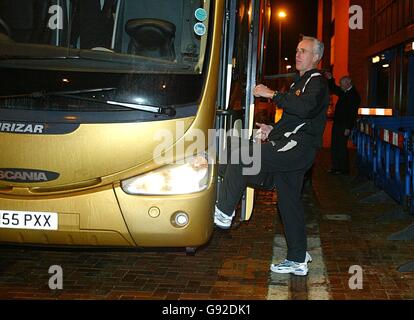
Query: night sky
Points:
[302, 19]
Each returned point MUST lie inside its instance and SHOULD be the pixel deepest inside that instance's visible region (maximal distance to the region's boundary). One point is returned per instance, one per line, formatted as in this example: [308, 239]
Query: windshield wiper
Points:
[169, 111]
[40, 94]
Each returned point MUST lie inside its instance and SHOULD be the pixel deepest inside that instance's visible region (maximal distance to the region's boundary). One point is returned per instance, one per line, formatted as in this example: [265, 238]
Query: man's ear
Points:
[315, 58]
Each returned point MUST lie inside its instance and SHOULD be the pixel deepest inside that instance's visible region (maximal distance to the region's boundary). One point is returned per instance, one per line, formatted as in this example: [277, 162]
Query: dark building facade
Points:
[379, 56]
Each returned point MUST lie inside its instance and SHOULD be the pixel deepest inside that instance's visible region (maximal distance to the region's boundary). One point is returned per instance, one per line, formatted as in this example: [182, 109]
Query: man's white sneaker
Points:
[288, 266]
[222, 220]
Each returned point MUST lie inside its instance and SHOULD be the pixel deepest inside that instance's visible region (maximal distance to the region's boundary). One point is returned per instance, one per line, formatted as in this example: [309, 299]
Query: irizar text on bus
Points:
[21, 127]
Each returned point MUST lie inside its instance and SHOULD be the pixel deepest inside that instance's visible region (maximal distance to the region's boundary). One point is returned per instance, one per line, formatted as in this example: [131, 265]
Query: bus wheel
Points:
[190, 251]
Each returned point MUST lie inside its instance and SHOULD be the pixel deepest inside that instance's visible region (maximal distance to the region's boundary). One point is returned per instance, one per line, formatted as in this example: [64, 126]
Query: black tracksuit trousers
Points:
[283, 170]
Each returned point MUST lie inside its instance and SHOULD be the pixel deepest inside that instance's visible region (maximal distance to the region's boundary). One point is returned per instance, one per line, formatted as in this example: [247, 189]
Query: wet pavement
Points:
[347, 238]
[354, 232]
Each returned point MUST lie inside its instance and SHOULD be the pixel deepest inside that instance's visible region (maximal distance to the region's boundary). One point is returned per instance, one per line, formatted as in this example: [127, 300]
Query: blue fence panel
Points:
[385, 154]
[393, 170]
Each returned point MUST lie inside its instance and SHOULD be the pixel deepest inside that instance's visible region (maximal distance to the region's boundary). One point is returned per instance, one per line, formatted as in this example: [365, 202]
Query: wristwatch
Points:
[275, 94]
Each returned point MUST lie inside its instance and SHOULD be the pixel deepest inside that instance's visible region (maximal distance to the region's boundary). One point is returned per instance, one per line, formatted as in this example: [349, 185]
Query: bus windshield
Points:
[158, 36]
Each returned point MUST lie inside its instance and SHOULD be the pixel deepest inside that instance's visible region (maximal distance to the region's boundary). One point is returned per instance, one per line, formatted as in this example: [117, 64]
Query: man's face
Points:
[345, 84]
[306, 59]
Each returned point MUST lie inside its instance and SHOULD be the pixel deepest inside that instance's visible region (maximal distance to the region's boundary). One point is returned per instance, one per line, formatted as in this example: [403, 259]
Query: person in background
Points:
[346, 111]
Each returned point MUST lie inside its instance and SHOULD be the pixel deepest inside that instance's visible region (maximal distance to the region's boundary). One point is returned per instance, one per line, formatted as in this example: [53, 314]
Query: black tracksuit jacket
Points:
[306, 102]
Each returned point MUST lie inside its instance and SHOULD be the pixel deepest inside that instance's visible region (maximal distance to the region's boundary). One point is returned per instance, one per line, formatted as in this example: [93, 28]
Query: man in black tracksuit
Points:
[289, 151]
[346, 111]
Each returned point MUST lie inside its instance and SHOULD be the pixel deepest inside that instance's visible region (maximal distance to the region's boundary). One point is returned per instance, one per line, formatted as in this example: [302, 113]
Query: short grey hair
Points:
[318, 46]
[347, 79]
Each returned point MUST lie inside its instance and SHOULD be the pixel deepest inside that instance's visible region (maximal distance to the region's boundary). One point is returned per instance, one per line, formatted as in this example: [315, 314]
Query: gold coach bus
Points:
[87, 87]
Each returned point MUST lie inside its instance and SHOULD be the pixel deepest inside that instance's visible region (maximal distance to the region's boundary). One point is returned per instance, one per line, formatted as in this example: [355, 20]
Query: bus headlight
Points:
[189, 177]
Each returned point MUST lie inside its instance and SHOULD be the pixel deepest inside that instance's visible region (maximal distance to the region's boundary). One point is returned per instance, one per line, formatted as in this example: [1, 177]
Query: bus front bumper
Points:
[107, 216]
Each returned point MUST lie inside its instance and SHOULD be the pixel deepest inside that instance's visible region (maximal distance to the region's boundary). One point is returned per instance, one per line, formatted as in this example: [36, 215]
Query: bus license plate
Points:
[28, 220]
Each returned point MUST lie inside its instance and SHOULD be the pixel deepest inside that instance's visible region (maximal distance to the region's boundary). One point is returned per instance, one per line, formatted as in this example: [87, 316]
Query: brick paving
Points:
[362, 239]
[235, 263]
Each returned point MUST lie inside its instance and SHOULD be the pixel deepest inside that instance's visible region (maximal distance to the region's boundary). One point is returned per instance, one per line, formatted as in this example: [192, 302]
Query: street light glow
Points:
[282, 14]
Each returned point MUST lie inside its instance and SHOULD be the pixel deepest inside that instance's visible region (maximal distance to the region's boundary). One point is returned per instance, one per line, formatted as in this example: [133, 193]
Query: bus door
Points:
[254, 60]
[225, 115]
[240, 56]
